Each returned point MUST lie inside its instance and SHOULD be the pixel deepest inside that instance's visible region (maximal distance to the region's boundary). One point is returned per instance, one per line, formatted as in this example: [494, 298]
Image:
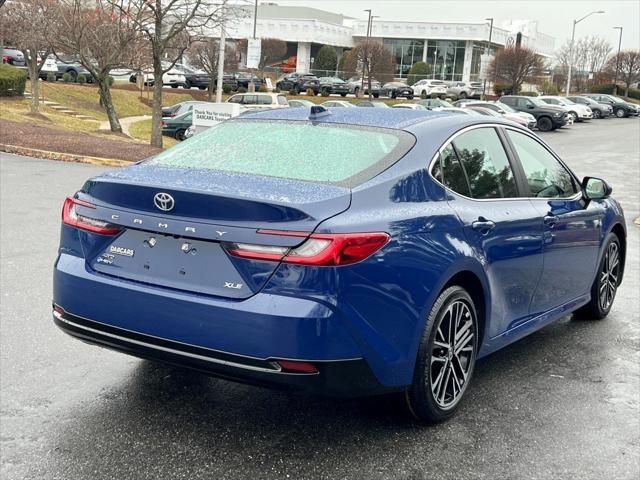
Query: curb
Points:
[63, 157]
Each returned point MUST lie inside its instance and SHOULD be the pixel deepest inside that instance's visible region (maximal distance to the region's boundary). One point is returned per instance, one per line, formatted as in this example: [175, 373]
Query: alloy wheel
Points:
[452, 354]
[609, 276]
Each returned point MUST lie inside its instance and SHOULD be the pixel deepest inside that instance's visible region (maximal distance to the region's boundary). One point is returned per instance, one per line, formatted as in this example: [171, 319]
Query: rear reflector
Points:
[294, 366]
[72, 218]
[319, 249]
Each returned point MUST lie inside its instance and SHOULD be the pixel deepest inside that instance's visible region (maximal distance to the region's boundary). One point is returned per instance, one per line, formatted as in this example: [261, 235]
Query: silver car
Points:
[355, 84]
[460, 90]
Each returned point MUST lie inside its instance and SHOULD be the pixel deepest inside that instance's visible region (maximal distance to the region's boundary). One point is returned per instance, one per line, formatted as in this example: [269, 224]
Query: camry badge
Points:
[164, 201]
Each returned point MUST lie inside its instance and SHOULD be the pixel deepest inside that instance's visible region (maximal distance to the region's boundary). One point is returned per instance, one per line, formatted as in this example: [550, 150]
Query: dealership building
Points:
[453, 50]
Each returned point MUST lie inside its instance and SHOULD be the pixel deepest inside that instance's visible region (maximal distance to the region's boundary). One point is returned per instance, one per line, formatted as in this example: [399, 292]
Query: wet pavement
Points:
[563, 403]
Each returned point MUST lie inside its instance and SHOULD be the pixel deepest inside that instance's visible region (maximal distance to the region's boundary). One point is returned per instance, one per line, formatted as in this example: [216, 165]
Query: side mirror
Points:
[530, 106]
[595, 188]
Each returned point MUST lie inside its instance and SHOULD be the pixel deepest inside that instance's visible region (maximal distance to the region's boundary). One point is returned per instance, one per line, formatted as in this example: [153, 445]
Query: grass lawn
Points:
[18, 110]
[142, 131]
[85, 99]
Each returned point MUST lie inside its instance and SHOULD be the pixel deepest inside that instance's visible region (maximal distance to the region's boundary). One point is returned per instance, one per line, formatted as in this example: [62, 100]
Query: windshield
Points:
[337, 154]
[538, 102]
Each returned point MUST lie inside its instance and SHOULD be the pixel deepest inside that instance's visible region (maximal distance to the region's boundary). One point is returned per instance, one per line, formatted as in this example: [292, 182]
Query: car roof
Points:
[397, 118]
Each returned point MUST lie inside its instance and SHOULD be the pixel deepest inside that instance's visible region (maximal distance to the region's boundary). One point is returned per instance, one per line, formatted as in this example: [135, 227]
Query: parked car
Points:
[428, 88]
[177, 126]
[333, 85]
[181, 108]
[194, 77]
[508, 113]
[244, 79]
[259, 100]
[324, 256]
[355, 84]
[600, 110]
[73, 68]
[620, 108]
[548, 117]
[301, 103]
[173, 77]
[337, 104]
[461, 111]
[577, 111]
[299, 82]
[397, 89]
[410, 106]
[431, 103]
[372, 104]
[13, 56]
[460, 90]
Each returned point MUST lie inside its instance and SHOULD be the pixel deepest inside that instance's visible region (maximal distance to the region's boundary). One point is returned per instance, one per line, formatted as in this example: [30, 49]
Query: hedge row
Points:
[12, 81]
[608, 89]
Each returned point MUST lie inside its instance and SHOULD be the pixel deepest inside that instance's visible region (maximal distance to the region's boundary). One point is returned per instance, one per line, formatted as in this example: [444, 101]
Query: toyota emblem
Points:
[164, 201]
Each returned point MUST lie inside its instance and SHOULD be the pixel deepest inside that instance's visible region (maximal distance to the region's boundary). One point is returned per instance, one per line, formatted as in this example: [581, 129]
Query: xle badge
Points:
[125, 252]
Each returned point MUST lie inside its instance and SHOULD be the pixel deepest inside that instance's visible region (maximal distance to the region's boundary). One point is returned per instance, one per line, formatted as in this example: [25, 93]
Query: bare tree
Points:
[373, 59]
[515, 65]
[103, 39]
[599, 51]
[628, 64]
[162, 22]
[204, 54]
[28, 25]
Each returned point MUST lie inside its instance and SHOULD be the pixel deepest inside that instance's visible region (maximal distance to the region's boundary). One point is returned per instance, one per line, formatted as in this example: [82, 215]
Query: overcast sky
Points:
[555, 17]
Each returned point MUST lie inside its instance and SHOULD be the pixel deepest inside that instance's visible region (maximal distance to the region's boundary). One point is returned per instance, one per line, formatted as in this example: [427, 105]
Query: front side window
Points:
[486, 164]
[236, 99]
[264, 100]
[281, 100]
[249, 100]
[546, 176]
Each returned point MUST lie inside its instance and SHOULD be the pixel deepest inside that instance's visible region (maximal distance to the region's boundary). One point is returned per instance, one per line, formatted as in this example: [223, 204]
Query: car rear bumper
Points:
[228, 338]
[334, 377]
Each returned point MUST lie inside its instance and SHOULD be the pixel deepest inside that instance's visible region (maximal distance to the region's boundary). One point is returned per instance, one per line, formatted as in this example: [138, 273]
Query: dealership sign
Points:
[206, 115]
[254, 52]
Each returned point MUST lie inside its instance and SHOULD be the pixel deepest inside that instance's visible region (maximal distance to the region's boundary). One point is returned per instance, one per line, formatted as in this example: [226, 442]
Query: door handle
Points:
[550, 220]
[483, 225]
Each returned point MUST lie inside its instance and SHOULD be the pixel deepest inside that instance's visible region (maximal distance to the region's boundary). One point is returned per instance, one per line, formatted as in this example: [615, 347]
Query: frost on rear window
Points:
[295, 150]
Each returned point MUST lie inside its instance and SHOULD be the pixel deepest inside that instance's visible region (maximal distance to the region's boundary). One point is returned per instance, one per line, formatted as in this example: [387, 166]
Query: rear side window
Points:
[486, 164]
[335, 154]
[546, 176]
[281, 100]
[451, 173]
[264, 100]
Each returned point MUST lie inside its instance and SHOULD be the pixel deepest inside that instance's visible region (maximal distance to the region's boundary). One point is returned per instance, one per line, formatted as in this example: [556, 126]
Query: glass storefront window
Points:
[445, 57]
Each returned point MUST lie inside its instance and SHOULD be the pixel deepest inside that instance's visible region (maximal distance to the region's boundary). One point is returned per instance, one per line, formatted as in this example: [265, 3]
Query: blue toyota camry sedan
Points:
[346, 251]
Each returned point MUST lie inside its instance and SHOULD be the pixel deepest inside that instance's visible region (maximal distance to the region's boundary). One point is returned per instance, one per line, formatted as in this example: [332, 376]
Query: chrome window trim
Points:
[494, 126]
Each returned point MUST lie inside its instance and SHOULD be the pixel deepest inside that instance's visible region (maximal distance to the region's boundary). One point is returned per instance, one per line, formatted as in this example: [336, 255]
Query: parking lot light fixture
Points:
[573, 36]
[484, 85]
[615, 78]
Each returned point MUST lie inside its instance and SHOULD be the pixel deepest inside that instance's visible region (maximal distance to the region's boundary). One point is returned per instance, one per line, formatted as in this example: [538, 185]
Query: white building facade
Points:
[452, 50]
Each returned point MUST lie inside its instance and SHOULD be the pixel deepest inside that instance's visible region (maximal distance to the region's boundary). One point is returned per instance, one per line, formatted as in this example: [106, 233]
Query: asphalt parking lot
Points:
[564, 403]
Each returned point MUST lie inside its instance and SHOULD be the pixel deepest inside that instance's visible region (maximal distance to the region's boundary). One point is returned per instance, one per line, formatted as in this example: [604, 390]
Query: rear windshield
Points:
[335, 154]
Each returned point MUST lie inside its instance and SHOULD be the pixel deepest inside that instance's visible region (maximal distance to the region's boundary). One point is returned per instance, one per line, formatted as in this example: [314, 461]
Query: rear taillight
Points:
[72, 218]
[319, 249]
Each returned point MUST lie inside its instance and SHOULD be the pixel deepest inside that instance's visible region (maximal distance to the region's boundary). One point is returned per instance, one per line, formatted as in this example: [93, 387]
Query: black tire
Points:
[73, 74]
[343, 94]
[597, 114]
[173, 85]
[544, 124]
[409, 97]
[179, 135]
[393, 95]
[356, 91]
[576, 119]
[202, 88]
[603, 294]
[423, 403]
[462, 95]
[620, 112]
[376, 95]
[187, 84]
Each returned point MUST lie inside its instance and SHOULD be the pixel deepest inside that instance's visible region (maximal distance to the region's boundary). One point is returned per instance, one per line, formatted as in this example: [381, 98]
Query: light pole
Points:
[486, 52]
[366, 51]
[573, 35]
[252, 86]
[615, 79]
[221, 46]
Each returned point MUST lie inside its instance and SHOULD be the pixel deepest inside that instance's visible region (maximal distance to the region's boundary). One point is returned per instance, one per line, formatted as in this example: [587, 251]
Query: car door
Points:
[571, 227]
[504, 230]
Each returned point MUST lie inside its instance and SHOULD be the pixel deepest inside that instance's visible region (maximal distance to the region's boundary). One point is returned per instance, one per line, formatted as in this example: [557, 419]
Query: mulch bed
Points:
[31, 135]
